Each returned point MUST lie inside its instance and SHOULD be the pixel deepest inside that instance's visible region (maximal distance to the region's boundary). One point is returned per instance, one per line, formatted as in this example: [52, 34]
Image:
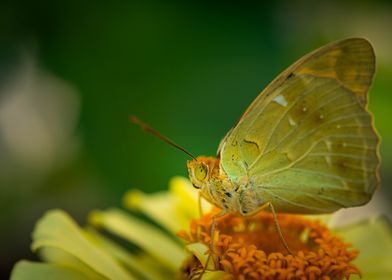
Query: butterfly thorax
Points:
[215, 186]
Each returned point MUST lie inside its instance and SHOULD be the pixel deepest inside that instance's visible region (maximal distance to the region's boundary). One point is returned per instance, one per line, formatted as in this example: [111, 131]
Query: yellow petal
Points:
[142, 265]
[151, 239]
[199, 251]
[174, 209]
[373, 239]
[213, 275]
[58, 256]
[160, 207]
[188, 198]
[56, 230]
[26, 270]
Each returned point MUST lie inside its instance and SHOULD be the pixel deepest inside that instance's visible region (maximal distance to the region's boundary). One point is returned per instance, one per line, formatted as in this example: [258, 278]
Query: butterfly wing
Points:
[307, 142]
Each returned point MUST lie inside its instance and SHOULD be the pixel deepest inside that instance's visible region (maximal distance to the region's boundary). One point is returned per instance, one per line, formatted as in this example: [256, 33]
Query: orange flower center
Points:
[250, 248]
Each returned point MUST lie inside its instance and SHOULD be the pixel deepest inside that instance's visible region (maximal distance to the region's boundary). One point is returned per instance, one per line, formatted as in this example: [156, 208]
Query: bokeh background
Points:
[71, 72]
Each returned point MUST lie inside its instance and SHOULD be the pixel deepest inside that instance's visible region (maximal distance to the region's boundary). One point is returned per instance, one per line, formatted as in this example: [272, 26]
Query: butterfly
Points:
[305, 145]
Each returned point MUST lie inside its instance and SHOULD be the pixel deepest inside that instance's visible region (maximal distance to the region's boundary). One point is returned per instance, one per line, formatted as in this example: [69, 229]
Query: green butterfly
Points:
[306, 144]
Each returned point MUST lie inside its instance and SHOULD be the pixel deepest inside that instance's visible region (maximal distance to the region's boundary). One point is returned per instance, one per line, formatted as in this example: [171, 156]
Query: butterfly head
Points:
[200, 170]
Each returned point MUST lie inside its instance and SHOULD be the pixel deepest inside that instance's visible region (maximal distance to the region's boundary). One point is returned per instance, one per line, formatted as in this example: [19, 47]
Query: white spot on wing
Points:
[291, 121]
[281, 100]
[329, 145]
[328, 160]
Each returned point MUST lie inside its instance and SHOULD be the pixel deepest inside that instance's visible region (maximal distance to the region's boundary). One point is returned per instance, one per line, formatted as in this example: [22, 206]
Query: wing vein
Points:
[309, 132]
[308, 116]
[326, 174]
[319, 209]
[300, 97]
[320, 154]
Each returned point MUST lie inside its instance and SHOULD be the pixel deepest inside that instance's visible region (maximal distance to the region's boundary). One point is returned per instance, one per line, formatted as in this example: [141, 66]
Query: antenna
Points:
[154, 132]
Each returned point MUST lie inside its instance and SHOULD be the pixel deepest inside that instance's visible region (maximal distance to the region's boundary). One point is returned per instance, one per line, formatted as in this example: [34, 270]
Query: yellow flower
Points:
[253, 250]
[116, 244]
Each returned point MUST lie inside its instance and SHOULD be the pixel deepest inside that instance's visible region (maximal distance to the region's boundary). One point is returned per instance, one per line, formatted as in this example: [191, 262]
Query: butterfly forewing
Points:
[307, 143]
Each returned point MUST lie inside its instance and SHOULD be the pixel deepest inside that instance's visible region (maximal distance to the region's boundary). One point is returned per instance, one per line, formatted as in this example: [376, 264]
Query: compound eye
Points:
[201, 171]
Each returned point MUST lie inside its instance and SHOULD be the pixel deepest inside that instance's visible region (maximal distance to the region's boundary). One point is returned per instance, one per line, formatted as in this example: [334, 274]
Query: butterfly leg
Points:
[200, 206]
[278, 229]
[277, 226]
[212, 234]
[200, 212]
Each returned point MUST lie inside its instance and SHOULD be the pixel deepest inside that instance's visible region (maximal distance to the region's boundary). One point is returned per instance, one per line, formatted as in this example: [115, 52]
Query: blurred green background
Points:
[71, 72]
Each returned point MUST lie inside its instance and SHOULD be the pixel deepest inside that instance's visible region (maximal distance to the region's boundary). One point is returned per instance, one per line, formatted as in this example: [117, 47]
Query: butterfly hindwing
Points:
[307, 143]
